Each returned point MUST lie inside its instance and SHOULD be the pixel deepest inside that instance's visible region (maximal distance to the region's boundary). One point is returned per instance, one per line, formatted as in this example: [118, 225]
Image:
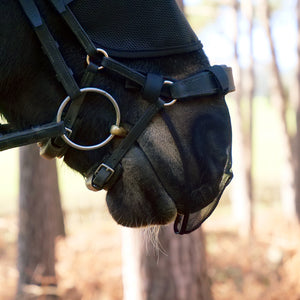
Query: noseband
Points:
[210, 81]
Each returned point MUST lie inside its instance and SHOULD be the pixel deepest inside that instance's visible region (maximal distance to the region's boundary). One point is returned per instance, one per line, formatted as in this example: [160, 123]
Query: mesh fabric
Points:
[130, 28]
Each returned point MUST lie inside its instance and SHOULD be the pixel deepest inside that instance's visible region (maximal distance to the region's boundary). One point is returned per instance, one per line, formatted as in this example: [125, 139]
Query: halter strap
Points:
[100, 178]
[210, 81]
[75, 26]
[31, 136]
[50, 48]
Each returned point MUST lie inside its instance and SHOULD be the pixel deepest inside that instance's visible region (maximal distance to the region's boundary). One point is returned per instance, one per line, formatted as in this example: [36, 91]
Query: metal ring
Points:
[99, 50]
[173, 101]
[109, 138]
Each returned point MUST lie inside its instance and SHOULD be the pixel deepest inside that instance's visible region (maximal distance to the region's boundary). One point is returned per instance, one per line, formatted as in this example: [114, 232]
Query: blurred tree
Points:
[241, 196]
[249, 11]
[297, 152]
[40, 222]
[180, 4]
[202, 13]
[173, 269]
[280, 99]
[242, 119]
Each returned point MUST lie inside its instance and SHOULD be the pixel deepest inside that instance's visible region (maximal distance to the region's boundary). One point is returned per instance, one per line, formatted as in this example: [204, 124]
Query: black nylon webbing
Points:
[57, 147]
[117, 67]
[75, 26]
[31, 136]
[213, 80]
[50, 47]
[99, 179]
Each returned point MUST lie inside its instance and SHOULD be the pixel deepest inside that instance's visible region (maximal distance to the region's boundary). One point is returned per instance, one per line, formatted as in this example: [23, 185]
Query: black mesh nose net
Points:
[208, 197]
[205, 150]
[119, 27]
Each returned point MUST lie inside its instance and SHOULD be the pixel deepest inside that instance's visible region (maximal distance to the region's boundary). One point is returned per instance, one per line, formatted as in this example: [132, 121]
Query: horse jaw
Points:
[140, 197]
[136, 200]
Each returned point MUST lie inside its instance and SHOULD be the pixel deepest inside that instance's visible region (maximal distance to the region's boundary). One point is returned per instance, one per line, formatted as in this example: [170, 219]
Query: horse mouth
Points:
[139, 198]
[159, 182]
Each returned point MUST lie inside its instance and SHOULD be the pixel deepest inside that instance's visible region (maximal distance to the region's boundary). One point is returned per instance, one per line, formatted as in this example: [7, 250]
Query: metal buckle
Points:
[90, 180]
[107, 168]
[109, 138]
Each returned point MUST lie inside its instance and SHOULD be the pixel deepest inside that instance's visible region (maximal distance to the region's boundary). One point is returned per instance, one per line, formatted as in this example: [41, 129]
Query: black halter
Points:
[213, 80]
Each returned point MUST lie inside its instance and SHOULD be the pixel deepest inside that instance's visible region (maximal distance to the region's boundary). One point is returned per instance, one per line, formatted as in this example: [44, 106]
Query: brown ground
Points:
[90, 259]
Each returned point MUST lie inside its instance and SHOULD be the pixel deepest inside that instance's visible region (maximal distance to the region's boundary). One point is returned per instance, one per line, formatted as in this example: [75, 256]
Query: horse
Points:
[123, 92]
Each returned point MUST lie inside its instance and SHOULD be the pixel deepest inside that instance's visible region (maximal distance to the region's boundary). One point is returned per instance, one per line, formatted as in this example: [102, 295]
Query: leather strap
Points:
[152, 88]
[213, 80]
[75, 26]
[31, 136]
[50, 47]
[56, 147]
[99, 179]
[121, 69]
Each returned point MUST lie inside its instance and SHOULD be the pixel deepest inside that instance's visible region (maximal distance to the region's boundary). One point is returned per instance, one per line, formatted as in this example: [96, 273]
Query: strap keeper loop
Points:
[152, 87]
[221, 78]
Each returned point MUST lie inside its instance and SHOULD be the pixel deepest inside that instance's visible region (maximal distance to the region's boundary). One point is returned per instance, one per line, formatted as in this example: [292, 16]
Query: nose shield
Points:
[206, 198]
[206, 160]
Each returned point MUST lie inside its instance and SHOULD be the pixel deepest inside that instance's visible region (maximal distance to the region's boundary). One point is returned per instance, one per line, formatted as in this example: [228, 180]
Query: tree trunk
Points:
[280, 98]
[241, 185]
[40, 222]
[175, 272]
[250, 89]
[297, 152]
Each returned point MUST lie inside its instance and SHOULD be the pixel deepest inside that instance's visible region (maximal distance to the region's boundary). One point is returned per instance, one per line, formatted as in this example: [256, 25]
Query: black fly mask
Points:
[112, 31]
[118, 26]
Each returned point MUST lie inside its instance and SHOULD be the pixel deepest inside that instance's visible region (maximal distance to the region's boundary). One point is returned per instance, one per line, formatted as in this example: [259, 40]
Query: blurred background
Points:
[252, 239]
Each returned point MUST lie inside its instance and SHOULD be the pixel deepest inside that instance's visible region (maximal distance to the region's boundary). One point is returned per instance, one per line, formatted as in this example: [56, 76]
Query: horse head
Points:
[149, 71]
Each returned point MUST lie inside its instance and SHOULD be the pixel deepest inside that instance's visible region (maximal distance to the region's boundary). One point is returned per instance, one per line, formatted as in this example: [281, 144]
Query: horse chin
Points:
[138, 198]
